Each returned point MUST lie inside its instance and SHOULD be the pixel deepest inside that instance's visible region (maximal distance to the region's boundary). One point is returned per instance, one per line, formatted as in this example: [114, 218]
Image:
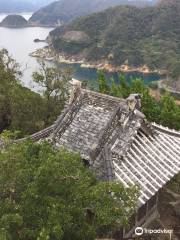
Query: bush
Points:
[51, 195]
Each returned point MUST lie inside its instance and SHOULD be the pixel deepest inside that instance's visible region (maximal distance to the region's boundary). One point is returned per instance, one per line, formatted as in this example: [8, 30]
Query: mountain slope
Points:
[67, 10]
[14, 21]
[15, 6]
[21, 5]
[125, 34]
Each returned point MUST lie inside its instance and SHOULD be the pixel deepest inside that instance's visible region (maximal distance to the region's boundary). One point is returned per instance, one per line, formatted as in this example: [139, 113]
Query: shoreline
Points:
[162, 85]
[49, 54]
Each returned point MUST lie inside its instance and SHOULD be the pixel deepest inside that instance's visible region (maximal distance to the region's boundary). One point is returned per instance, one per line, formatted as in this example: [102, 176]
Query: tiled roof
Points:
[118, 142]
[150, 162]
[114, 136]
[79, 129]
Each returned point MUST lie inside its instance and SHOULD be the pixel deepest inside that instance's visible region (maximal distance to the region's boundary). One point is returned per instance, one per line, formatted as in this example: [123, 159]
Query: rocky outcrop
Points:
[14, 21]
[49, 53]
[77, 36]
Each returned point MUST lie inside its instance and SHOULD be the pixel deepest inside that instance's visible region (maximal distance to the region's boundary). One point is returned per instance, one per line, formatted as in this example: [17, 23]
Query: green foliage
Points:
[175, 70]
[66, 11]
[174, 184]
[165, 112]
[14, 21]
[103, 86]
[51, 195]
[140, 35]
[70, 48]
[170, 113]
[151, 108]
[26, 115]
[6, 134]
[54, 82]
[9, 71]
[117, 89]
[18, 105]
[24, 110]
[124, 87]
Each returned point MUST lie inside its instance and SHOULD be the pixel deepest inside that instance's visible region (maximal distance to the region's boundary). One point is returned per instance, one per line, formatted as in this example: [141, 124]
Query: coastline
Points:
[47, 53]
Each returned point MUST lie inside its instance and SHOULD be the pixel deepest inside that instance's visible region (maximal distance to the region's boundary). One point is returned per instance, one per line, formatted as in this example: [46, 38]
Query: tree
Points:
[103, 85]
[165, 112]
[9, 73]
[51, 195]
[170, 114]
[24, 110]
[54, 82]
[9, 66]
[174, 70]
[124, 86]
[122, 89]
[28, 111]
[18, 105]
[150, 107]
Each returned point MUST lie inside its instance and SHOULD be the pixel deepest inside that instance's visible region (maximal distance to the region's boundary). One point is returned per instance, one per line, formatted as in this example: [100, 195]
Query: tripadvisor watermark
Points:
[139, 231]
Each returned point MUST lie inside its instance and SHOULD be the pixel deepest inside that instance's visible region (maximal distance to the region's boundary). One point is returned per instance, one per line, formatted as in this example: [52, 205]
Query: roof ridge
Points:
[68, 115]
[167, 130]
[43, 134]
[105, 133]
[106, 96]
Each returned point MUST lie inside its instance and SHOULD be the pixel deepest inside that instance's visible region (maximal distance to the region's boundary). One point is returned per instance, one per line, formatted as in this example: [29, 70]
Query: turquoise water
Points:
[19, 43]
[90, 75]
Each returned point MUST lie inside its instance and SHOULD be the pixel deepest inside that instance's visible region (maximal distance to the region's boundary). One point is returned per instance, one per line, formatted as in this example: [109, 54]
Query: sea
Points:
[20, 43]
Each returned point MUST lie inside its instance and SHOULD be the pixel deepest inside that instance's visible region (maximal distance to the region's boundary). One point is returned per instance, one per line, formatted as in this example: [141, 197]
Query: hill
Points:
[14, 21]
[15, 6]
[67, 10]
[12, 6]
[124, 35]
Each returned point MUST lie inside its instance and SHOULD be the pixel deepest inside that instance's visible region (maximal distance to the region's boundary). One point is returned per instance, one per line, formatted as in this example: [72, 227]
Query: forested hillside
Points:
[67, 10]
[125, 34]
[14, 21]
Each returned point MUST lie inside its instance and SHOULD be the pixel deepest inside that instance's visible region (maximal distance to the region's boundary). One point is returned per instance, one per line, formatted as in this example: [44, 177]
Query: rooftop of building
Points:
[117, 141]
